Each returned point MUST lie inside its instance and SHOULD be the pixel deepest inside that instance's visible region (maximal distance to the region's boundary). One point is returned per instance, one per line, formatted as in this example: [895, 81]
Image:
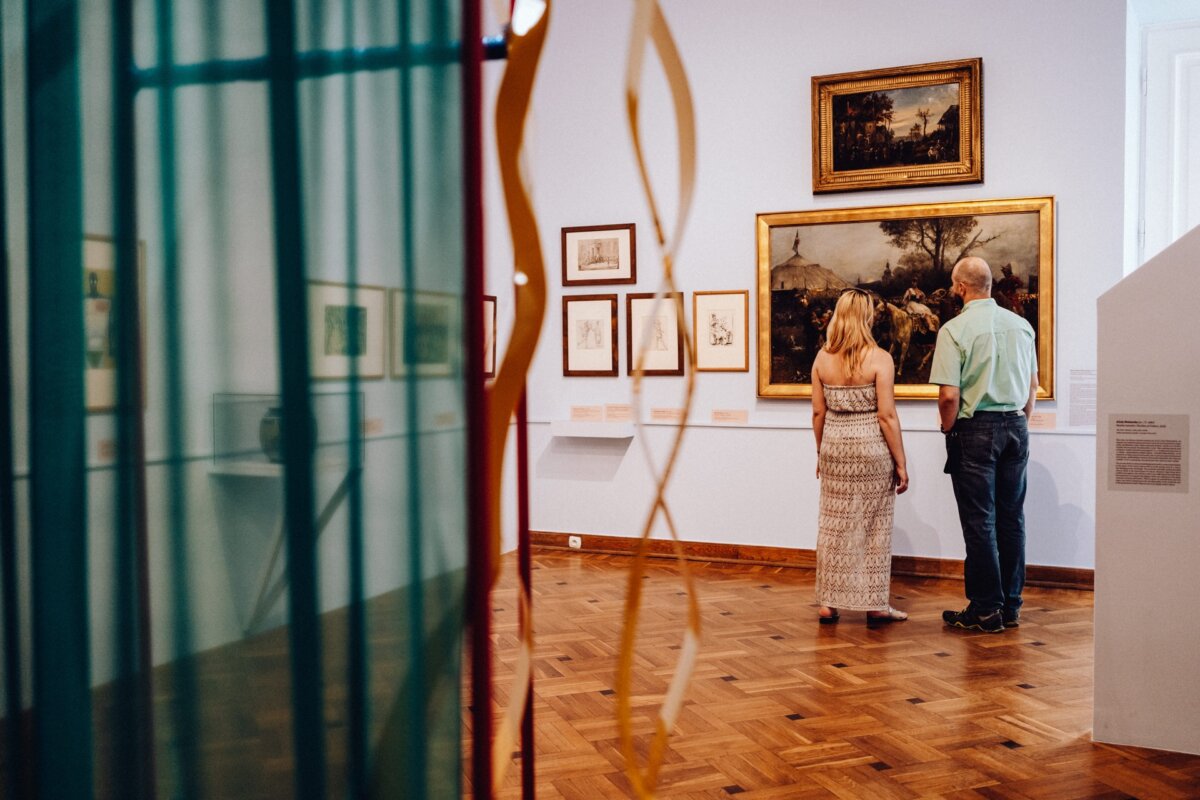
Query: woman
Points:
[860, 462]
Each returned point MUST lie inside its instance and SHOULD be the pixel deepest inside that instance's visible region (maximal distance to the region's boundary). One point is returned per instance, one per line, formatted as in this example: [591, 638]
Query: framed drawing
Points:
[658, 329]
[599, 254]
[100, 320]
[589, 333]
[489, 336]
[432, 335]
[902, 255]
[345, 330]
[906, 126]
[721, 331]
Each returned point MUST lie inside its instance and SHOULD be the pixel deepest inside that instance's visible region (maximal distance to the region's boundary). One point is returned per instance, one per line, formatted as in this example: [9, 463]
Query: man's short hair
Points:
[975, 273]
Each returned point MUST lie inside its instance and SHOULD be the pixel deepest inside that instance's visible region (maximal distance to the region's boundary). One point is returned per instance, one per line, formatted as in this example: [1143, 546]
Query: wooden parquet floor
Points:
[781, 707]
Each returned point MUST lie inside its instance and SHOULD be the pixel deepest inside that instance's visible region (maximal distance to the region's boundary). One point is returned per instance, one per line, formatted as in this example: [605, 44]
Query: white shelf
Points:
[266, 469]
[591, 430]
[247, 469]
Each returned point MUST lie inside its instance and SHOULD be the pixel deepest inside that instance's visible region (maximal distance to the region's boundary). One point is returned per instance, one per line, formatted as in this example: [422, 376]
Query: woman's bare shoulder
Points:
[882, 359]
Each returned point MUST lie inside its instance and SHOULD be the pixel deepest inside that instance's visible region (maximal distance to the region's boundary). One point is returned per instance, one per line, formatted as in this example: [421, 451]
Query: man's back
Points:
[989, 353]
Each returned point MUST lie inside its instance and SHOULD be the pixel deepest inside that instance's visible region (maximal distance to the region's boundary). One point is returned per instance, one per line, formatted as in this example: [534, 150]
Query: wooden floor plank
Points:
[781, 707]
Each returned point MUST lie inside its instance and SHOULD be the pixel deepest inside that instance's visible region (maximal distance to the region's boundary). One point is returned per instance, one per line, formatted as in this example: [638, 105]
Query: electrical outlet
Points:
[574, 542]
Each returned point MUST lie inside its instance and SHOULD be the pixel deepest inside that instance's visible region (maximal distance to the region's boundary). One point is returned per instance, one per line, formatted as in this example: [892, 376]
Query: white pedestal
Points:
[1148, 537]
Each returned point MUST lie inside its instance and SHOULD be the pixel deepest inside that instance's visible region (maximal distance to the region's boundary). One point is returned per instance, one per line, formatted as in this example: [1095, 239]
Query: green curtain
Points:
[233, 533]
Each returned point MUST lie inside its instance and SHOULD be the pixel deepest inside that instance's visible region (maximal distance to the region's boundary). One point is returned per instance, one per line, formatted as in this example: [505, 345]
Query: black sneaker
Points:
[969, 619]
[1012, 619]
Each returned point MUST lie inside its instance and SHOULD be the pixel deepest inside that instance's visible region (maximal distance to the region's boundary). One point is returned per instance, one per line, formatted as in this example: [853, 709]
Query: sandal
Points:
[886, 617]
[832, 617]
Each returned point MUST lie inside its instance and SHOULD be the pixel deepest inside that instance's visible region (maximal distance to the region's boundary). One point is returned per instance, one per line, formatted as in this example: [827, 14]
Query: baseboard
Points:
[694, 551]
[1035, 574]
[911, 566]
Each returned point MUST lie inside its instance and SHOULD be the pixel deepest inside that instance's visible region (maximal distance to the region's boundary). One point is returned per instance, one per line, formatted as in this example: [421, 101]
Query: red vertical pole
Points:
[525, 566]
[479, 566]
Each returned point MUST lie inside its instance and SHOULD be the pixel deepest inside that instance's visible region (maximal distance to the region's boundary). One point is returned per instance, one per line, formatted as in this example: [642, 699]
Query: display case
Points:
[248, 429]
[247, 482]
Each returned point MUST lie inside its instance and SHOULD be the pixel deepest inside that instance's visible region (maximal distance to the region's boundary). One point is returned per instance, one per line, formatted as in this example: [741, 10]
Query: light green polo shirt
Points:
[987, 352]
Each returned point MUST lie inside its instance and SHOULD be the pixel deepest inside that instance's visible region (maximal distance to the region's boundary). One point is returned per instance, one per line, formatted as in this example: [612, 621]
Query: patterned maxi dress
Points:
[854, 537]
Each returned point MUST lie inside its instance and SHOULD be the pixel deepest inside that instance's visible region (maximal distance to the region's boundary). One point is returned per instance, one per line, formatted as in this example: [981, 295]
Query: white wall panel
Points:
[1147, 553]
[1171, 136]
[1053, 106]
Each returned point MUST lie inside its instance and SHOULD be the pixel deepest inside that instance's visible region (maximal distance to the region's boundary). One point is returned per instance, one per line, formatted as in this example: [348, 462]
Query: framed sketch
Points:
[431, 335]
[656, 327]
[721, 331]
[489, 336]
[903, 256]
[599, 254]
[906, 126]
[345, 330]
[100, 320]
[589, 332]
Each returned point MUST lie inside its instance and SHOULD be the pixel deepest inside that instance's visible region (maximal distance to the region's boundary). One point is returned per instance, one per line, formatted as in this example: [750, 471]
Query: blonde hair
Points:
[850, 329]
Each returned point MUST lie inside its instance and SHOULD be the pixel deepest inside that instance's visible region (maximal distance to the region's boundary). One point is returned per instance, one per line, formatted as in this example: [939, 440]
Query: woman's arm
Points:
[818, 406]
[889, 421]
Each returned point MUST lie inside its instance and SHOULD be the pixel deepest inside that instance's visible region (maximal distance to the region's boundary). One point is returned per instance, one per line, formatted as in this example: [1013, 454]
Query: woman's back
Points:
[831, 369]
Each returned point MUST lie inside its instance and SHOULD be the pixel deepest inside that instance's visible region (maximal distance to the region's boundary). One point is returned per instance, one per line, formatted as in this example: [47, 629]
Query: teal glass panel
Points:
[232, 521]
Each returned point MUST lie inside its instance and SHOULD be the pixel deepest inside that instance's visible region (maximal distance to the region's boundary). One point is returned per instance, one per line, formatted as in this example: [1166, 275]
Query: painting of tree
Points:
[944, 239]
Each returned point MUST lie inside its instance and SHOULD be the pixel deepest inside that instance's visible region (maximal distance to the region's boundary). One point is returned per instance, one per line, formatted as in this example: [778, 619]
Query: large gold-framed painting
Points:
[902, 255]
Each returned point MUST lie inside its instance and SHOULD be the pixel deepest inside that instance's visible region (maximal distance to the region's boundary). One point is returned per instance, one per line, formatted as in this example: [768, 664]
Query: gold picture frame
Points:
[903, 254]
[721, 330]
[871, 129]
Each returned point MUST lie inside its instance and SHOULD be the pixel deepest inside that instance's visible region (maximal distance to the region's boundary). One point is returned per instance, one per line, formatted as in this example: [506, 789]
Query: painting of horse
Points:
[903, 256]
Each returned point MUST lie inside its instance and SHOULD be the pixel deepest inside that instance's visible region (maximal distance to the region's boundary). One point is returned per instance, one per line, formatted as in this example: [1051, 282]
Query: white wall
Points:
[1147, 557]
[1170, 143]
[1053, 111]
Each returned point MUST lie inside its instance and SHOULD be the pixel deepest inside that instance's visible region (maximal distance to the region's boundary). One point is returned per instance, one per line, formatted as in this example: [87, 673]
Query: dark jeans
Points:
[986, 458]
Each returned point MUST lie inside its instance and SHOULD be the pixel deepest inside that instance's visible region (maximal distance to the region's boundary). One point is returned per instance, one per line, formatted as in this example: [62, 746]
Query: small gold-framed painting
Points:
[100, 319]
[589, 336]
[599, 254]
[920, 125]
[721, 330]
[654, 334]
[489, 336]
[345, 330]
[427, 345]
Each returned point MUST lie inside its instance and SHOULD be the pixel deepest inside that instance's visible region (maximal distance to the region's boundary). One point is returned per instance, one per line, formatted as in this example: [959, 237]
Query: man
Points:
[986, 365]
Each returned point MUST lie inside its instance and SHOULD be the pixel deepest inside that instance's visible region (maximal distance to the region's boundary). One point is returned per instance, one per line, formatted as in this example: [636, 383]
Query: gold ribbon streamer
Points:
[526, 37]
[649, 25]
